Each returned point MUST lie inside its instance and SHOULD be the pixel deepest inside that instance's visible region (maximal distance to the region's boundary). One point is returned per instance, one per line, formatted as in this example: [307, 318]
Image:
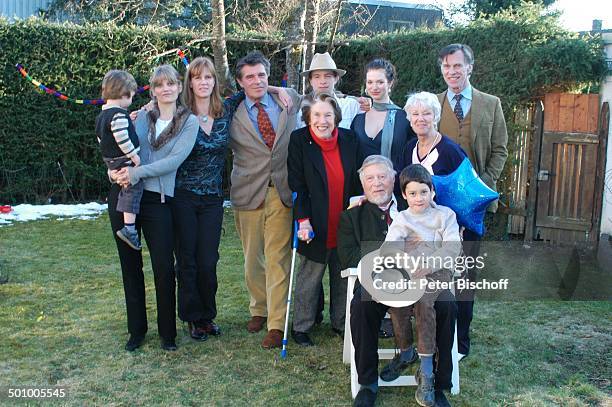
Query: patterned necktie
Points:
[388, 216]
[265, 125]
[458, 110]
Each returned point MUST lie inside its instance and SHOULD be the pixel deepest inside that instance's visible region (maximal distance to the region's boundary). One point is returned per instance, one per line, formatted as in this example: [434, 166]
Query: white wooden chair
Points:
[348, 352]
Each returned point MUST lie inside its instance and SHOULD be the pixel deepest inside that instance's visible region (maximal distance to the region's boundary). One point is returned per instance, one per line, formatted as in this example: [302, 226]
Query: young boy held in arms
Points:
[119, 146]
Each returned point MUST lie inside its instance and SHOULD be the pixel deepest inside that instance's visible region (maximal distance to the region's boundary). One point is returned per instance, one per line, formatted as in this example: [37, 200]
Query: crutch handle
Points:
[294, 245]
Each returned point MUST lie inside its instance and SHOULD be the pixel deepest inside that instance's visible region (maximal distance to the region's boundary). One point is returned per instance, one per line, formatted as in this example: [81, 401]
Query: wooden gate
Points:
[569, 172]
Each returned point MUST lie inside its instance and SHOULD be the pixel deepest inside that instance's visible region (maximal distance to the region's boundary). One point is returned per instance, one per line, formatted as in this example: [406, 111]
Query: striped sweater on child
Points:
[115, 133]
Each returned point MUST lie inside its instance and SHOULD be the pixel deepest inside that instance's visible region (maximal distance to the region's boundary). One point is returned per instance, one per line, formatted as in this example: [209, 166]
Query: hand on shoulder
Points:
[357, 201]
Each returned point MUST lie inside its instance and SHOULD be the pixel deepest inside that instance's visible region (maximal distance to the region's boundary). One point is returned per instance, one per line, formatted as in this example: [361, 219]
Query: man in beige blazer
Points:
[475, 121]
[260, 195]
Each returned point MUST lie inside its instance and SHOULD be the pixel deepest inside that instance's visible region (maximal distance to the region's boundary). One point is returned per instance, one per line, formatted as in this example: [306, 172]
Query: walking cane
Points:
[294, 245]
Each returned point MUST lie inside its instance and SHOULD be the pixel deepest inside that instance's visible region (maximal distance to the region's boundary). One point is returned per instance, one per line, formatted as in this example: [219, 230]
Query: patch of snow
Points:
[27, 212]
[88, 211]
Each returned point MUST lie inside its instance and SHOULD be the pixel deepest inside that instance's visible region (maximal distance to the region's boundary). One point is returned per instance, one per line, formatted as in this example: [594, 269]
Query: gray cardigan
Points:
[158, 167]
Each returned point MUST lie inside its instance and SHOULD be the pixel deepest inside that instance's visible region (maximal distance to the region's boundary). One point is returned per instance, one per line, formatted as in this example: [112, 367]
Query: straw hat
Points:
[323, 62]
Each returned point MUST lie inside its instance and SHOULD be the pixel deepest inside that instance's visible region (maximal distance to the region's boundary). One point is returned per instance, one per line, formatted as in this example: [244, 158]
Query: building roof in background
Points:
[21, 8]
[395, 3]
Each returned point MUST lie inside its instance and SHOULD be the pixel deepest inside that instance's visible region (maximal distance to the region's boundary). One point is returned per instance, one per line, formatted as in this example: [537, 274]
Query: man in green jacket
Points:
[475, 121]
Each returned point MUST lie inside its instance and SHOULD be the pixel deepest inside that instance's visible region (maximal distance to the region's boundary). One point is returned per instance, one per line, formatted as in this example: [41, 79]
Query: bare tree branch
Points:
[330, 45]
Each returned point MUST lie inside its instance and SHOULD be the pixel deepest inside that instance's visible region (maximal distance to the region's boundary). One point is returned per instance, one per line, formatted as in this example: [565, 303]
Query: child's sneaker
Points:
[425, 393]
[131, 238]
[395, 368]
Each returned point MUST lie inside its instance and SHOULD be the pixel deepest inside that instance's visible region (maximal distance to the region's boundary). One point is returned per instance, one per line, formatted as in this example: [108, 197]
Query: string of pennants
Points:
[53, 92]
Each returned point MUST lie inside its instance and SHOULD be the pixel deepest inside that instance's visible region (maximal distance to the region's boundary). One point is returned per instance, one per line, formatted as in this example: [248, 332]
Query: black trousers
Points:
[155, 222]
[365, 321]
[198, 220]
[465, 298]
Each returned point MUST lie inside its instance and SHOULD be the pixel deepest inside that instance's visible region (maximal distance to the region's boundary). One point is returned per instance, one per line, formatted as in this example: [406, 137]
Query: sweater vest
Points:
[458, 132]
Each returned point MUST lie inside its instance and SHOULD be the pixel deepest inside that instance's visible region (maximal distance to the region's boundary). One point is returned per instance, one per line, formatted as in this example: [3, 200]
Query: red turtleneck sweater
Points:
[335, 183]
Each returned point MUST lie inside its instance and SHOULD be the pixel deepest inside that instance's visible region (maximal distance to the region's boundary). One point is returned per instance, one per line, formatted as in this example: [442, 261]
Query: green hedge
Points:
[516, 59]
[38, 131]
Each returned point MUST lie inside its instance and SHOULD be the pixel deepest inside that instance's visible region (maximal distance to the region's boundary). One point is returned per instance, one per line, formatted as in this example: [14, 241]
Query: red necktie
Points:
[265, 125]
[388, 216]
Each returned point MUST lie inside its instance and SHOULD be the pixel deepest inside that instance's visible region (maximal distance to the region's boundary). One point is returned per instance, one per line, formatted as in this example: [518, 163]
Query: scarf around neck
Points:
[386, 141]
[172, 130]
[327, 144]
[381, 107]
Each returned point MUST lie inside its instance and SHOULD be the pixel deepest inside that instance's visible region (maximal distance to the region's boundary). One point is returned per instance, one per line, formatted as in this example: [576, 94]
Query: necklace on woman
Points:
[431, 147]
[203, 118]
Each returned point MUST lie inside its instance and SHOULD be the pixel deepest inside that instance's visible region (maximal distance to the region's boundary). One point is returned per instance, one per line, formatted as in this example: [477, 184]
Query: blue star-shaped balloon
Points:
[466, 194]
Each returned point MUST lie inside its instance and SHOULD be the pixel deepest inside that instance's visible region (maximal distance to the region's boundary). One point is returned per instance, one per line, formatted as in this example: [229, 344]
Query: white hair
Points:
[375, 160]
[425, 99]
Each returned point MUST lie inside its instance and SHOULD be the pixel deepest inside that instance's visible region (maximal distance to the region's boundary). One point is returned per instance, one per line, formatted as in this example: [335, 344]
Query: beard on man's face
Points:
[380, 198]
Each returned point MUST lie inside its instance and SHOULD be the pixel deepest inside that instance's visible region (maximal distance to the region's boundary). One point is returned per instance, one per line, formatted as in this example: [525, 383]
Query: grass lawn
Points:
[62, 322]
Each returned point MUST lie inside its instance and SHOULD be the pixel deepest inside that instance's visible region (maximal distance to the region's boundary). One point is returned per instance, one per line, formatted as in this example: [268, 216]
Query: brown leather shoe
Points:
[274, 339]
[256, 324]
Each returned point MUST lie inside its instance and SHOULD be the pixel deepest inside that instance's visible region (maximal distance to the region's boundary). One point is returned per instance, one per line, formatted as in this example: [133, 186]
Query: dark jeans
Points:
[465, 298]
[155, 222]
[198, 220]
[365, 321]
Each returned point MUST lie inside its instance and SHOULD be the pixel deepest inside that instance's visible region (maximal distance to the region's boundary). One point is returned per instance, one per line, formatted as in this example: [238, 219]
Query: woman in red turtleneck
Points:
[322, 167]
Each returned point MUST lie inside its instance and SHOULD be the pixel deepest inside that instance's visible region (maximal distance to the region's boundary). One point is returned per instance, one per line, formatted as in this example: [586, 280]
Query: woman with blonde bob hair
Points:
[198, 199]
[167, 134]
[436, 152]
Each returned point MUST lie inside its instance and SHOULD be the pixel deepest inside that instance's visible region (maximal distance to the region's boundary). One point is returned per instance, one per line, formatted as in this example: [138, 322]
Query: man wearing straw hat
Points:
[323, 76]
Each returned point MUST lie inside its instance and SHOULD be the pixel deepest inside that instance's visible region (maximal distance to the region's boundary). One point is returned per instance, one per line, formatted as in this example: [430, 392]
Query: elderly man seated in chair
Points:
[362, 229]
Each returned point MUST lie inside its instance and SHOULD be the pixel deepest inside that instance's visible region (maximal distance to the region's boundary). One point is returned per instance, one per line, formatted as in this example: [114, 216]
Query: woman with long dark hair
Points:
[198, 200]
[384, 129]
